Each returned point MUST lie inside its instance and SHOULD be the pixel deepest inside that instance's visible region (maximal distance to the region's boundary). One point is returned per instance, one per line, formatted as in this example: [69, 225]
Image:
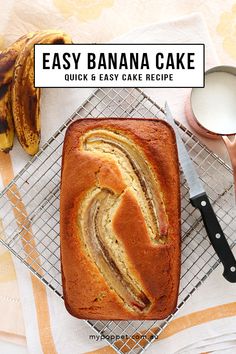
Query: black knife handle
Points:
[216, 235]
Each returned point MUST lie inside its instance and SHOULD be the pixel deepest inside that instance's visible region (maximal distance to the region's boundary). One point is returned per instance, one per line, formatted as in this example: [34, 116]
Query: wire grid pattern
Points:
[29, 207]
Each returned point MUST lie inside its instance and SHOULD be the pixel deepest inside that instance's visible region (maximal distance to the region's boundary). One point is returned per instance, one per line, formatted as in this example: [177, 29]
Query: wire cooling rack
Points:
[29, 208]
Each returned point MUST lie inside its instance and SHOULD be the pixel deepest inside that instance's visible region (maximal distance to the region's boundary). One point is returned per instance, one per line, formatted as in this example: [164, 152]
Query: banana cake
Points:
[120, 219]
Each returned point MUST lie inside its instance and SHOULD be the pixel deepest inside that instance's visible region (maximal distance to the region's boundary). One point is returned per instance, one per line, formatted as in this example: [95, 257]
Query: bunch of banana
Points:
[19, 99]
[7, 64]
[25, 97]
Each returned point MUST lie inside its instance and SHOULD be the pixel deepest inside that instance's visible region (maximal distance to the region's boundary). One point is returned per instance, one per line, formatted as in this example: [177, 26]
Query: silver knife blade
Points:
[193, 180]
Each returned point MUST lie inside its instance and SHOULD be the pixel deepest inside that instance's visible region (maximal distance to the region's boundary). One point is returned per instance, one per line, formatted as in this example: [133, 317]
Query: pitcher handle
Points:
[231, 147]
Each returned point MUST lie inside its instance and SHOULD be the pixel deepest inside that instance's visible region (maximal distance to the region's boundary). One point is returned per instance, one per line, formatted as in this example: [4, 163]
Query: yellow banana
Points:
[26, 97]
[7, 62]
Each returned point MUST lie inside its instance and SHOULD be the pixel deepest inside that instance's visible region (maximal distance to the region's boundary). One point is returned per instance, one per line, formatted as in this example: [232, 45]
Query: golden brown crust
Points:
[154, 265]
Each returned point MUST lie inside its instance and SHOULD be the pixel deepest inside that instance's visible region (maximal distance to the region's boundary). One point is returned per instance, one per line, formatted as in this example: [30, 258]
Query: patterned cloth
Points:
[33, 314]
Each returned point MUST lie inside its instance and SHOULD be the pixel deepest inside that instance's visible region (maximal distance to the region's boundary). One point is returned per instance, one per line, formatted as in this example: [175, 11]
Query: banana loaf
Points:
[120, 219]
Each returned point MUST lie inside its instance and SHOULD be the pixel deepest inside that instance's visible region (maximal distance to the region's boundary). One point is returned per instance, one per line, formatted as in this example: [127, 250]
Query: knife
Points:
[200, 200]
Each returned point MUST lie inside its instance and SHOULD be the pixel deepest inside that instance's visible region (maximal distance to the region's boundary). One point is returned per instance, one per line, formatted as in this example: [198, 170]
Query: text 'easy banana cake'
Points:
[120, 219]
